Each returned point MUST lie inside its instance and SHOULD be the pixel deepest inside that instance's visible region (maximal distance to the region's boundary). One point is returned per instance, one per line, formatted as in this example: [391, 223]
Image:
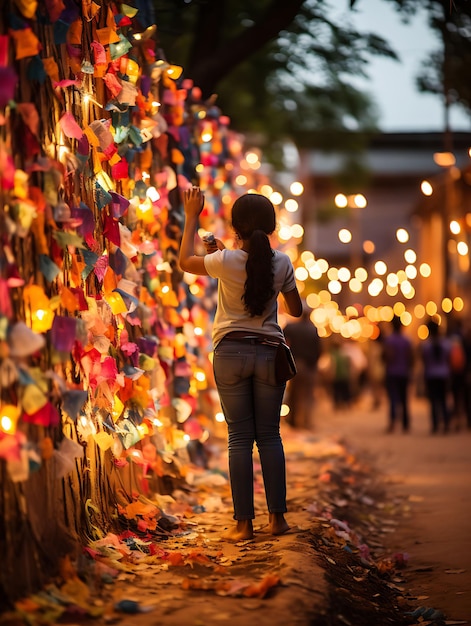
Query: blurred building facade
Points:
[397, 165]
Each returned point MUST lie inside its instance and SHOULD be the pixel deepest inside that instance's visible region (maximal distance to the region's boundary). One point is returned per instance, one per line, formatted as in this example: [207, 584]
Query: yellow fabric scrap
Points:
[33, 399]
[103, 440]
[27, 8]
[128, 11]
[89, 9]
[92, 138]
[105, 181]
[114, 159]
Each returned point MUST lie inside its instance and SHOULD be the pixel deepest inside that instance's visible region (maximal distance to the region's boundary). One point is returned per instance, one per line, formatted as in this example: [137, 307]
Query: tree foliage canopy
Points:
[283, 68]
[277, 67]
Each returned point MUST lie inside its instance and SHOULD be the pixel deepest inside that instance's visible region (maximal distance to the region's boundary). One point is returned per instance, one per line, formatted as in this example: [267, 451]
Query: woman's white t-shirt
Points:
[228, 266]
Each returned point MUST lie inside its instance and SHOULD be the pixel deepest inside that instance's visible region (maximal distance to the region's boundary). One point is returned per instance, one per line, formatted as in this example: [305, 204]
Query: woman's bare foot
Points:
[242, 530]
[278, 524]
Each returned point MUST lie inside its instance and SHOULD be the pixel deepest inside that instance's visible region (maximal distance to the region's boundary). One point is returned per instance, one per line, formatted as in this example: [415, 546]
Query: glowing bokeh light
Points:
[455, 227]
[381, 268]
[297, 231]
[276, 198]
[306, 256]
[334, 286]
[399, 308]
[425, 270]
[375, 287]
[332, 273]
[462, 248]
[251, 158]
[313, 300]
[426, 188]
[444, 159]
[392, 280]
[301, 273]
[402, 235]
[368, 246]
[285, 233]
[386, 313]
[324, 296]
[458, 304]
[360, 201]
[422, 332]
[296, 188]
[315, 271]
[291, 205]
[447, 305]
[266, 190]
[341, 200]
[410, 255]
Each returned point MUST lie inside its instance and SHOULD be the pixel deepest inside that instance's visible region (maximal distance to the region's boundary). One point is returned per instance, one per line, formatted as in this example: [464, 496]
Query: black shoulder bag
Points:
[285, 366]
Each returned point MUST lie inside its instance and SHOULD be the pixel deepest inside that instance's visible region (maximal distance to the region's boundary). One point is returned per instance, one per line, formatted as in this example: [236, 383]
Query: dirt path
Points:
[435, 474]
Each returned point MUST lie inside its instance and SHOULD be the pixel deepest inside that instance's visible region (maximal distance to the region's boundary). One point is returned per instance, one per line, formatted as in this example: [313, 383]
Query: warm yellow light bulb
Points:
[9, 415]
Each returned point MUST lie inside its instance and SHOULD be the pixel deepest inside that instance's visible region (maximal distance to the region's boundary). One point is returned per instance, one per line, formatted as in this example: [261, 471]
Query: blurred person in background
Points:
[467, 370]
[341, 367]
[398, 360]
[376, 371]
[358, 367]
[302, 338]
[435, 352]
[457, 375]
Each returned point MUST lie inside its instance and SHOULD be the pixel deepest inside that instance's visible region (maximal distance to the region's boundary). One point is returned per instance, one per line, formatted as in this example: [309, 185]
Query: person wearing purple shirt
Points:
[398, 358]
[435, 353]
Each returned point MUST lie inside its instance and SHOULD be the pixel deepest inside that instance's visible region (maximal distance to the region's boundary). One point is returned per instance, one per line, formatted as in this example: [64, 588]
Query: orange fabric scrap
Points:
[74, 34]
[198, 557]
[69, 300]
[90, 9]
[176, 558]
[234, 587]
[26, 43]
[52, 69]
[259, 590]
[107, 35]
[131, 511]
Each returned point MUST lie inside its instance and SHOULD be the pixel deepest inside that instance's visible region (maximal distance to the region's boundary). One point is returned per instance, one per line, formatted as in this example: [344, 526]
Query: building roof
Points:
[392, 154]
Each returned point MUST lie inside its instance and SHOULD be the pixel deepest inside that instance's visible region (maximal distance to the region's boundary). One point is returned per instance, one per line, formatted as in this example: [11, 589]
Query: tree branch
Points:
[211, 59]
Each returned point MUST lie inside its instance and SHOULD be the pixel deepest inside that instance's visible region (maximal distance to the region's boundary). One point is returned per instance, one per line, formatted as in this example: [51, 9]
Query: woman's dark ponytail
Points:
[260, 276]
[253, 219]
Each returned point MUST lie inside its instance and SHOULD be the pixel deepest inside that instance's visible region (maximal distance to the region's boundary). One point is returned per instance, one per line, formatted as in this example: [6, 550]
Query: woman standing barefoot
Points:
[245, 338]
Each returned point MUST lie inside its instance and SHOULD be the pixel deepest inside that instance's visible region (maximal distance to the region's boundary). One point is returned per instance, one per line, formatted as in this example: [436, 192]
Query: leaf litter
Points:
[333, 568]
